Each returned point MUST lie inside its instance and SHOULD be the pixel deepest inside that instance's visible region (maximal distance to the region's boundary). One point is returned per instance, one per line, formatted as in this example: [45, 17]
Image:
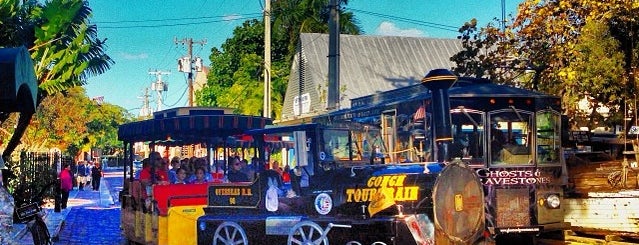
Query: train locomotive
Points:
[336, 197]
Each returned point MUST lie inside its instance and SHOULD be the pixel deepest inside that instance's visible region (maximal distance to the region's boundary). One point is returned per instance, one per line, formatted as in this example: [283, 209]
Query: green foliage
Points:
[34, 171]
[568, 48]
[66, 50]
[236, 76]
[235, 79]
[596, 71]
[73, 123]
[66, 47]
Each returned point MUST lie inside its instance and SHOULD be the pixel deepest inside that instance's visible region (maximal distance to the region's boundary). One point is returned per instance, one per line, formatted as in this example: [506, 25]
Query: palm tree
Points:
[292, 17]
[62, 42]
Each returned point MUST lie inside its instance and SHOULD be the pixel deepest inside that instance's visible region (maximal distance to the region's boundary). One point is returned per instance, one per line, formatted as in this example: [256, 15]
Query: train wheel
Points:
[230, 233]
[307, 233]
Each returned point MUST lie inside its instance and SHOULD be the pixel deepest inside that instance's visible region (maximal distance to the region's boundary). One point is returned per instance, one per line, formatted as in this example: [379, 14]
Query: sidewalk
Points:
[55, 221]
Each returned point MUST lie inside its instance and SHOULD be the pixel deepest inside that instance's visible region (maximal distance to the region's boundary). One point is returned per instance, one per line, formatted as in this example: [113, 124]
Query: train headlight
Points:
[553, 201]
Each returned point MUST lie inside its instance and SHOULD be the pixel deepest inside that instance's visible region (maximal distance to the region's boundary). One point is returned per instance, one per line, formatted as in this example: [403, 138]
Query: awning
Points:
[187, 129]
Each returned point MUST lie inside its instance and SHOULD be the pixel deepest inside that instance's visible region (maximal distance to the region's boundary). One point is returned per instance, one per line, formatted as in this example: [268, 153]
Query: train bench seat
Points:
[173, 195]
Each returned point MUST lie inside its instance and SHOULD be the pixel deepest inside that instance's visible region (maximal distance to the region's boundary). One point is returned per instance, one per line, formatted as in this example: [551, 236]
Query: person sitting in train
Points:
[161, 176]
[180, 178]
[286, 176]
[199, 176]
[145, 164]
[247, 170]
[497, 142]
[235, 174]
[175, 165]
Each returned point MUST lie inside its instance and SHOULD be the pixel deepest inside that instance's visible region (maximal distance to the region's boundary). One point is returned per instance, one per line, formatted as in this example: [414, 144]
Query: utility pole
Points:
[188, 67]
[333, 56]
[145, 111]
[159, 86]
[503, 15]
[267, 59]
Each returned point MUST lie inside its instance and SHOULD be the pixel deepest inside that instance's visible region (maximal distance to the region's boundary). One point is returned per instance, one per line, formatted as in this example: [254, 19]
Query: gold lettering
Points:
[370, 182]
[232, 200]
[227, 192]
[400, 180]
[372, 193]
[385, 180]
[349, 194]
[400, 193]
[358, 195]
[246, 192]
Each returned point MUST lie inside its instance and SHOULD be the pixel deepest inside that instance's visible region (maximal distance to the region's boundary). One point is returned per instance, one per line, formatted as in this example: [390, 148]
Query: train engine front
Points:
[342, 194]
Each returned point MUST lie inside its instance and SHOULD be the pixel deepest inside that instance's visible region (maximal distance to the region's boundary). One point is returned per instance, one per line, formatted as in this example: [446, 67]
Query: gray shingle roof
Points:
[368, 65]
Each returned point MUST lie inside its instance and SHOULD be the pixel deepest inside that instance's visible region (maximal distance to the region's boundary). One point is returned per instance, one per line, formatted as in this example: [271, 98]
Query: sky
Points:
[141, 36]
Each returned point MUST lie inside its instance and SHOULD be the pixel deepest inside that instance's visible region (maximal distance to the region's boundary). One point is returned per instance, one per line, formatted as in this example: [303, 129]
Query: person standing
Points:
[82, 175]
[66, 184]
[96, 175]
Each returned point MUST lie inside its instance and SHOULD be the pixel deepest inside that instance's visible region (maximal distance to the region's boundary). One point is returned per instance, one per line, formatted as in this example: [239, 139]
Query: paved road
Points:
[94, 217]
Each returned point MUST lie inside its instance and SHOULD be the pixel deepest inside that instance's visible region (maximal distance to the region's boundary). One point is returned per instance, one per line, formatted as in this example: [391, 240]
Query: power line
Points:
[407, 20]
[172, 19]
[175, 24]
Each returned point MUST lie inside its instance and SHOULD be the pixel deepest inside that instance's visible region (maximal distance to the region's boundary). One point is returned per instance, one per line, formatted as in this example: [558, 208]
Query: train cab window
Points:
[468, 134]
[509, 137]
[336, 146]
[548, 137]
[366, 145]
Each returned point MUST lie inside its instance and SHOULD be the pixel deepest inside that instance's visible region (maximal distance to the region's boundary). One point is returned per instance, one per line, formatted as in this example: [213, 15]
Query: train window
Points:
[336, 146]
[468, 134]
[548, 137]
[509, 137]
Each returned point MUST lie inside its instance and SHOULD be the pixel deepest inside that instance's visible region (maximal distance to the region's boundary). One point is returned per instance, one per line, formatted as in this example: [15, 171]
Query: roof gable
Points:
[368, 65]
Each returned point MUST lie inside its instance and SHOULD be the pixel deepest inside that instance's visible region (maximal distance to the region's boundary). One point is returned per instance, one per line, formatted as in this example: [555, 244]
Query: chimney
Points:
[438, 81]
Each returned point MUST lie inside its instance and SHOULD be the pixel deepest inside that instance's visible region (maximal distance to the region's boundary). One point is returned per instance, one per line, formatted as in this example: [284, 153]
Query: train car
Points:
[150, 213]
[336, 195]
[333, 199]
[510, 137]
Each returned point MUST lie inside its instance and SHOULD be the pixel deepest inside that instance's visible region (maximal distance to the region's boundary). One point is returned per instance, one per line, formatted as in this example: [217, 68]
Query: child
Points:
[180, 176]
[199, 176]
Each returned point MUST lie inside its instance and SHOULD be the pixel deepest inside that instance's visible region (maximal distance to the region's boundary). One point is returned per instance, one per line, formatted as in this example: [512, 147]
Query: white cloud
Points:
[232, 17]
[129, 56]
[390, 29]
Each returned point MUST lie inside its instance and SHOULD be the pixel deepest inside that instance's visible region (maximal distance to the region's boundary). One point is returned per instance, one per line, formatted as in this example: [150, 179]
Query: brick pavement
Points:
[92, 217]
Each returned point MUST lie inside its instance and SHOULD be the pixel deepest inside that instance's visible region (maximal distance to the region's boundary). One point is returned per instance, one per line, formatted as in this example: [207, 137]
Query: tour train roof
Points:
[186, 125]
[464, 87]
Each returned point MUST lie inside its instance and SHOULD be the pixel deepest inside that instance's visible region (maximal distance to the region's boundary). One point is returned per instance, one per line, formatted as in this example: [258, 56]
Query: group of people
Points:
[88, 173]
[83, 171]
[181, 171]
[194, 170]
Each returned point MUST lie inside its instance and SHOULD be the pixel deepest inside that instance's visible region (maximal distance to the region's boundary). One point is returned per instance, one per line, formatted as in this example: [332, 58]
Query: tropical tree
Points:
[62, 42]
[235, 78]
[292, 17]
[556, 47]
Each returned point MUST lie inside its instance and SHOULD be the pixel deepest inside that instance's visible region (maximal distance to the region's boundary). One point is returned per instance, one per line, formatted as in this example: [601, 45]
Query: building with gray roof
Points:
[368, 65]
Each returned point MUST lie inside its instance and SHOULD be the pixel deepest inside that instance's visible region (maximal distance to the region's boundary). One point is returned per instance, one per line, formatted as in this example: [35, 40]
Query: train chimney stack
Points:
[438, 81]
